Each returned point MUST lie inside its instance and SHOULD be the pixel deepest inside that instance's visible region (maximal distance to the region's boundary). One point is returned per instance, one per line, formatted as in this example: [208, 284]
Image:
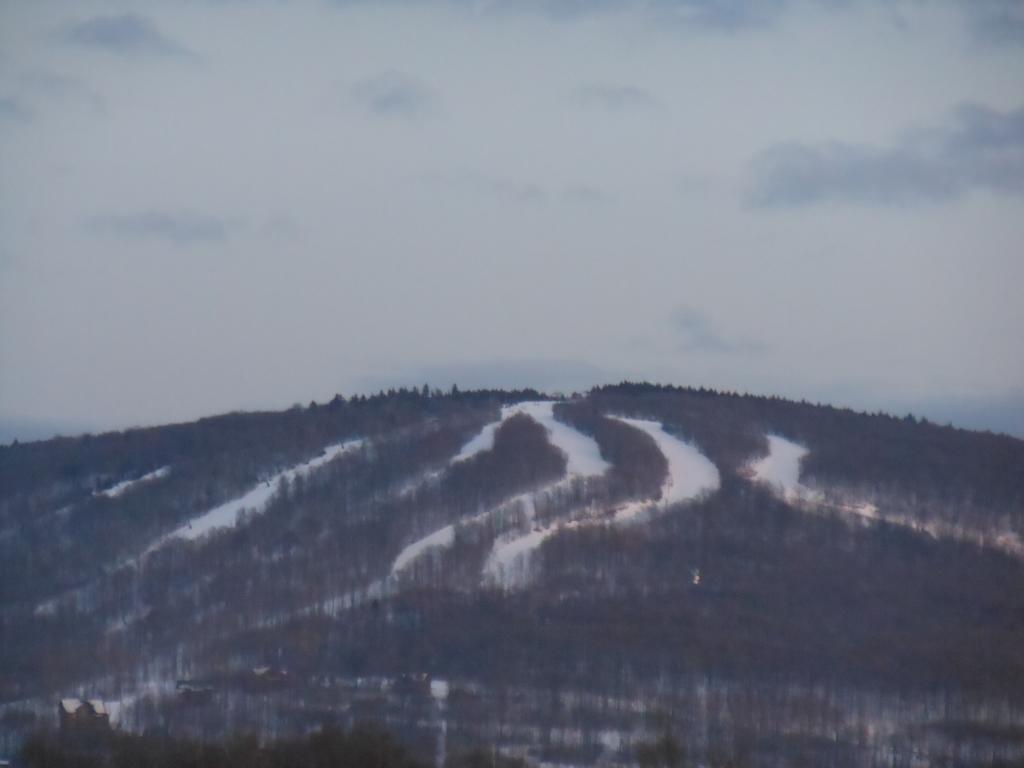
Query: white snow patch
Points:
[439, 689]
[582, 451]
[418, 483]
[780, 469]
[126, 485]
[508, 564]
[690, 473]
[256, 500]
[483, 441]
[690, 476]
[443, 538]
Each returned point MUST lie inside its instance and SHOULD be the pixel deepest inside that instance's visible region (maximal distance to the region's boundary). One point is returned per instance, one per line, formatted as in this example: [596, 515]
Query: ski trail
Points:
[691, 475]
[126, 485]
[255, 500]
[780, 470]
[582, 452]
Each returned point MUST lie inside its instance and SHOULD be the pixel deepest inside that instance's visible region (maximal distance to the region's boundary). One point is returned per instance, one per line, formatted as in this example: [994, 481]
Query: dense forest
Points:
[363, 747]
[456, 567]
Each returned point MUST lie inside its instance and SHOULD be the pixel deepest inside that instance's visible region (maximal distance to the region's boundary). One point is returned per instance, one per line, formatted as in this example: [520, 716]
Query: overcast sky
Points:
[210, 205]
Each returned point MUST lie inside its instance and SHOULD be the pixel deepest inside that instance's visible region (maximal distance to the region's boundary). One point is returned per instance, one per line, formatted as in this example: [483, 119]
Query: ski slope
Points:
[445, 537]
[256, 499]
[127, 485]
[780, 470]
[582, 452]
[442, 538]
[691, 474]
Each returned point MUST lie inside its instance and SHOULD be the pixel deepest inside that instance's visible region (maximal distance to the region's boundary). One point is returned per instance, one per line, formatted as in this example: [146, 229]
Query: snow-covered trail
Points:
[691, 475]
[780, 470]
[582, 452]
[127, 485]
[583, 459]
[255, 500]
[440, 539]
[444, 538]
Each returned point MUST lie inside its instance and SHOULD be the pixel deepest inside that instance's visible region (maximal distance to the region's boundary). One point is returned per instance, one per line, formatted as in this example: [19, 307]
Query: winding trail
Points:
[583, 459]
[582, 452]
[691, 475]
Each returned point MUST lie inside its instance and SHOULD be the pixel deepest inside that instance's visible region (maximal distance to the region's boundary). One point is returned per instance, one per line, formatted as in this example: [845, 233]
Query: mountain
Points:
[768, 582]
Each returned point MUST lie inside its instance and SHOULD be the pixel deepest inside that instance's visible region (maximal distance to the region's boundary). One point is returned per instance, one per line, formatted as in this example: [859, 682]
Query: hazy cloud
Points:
[697, 333]
[394, 94]
[981, 148]
[997, 22]
[727, 14]
[180, 229]
[497, 188]
[615, 98]
[126, 34]
[585, 194]
[11, 110]
[62, 89]
[721, 14]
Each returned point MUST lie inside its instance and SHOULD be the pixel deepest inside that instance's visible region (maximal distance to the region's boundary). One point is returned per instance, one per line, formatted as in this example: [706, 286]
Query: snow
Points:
[439, 689]
[70, 705]
[256, 499]
[582, 452]
[690, 473]
[443, 538]
[583, 459]
[780, 469]
[508, 564]
[483, 441]
[126, 485]
[73, 705]
[418, 483]
[690, 476]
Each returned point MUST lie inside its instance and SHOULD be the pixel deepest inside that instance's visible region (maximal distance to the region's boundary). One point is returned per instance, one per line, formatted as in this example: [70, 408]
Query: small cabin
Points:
[79, 715]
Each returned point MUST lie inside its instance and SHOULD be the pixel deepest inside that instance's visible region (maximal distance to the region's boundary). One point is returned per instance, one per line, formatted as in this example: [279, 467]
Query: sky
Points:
[215, 205]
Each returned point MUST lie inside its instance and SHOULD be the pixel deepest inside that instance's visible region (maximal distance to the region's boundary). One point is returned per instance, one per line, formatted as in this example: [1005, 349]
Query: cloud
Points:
[394, 94]
[584, 194]
[698, 334]
[125, 34]
[508, 191]
[726, 15]
[996, 22]
[12, 111]
[62, 89]
[496, 188]
[723, 15]
[615, 98]
[179, 229]
[980, 149]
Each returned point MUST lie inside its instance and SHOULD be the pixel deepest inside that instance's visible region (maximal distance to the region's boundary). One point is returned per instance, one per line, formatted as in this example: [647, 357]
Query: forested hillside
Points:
[769, 582]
